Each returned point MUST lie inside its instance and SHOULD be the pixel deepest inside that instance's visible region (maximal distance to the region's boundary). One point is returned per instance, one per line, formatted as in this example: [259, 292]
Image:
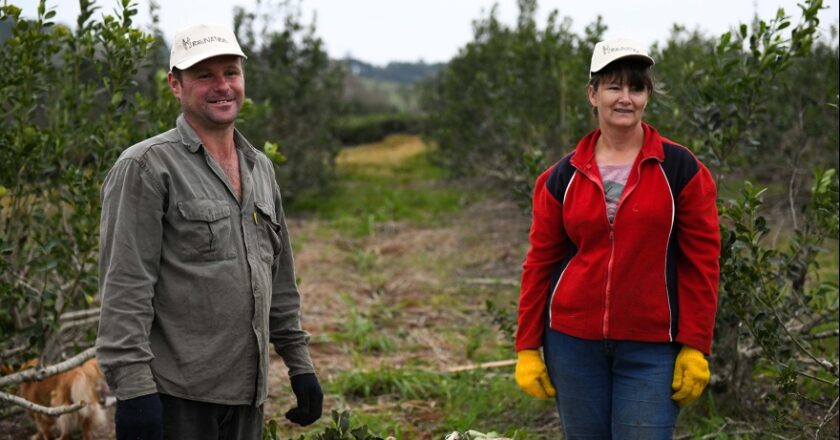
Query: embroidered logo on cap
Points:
[189, 44]
[607, 49]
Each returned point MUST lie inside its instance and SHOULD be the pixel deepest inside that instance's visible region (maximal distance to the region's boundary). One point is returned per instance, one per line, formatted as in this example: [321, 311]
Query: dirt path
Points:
[414, 284]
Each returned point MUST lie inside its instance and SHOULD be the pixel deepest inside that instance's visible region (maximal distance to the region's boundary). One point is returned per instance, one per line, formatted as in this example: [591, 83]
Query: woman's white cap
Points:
[607, 51]
[199, 42]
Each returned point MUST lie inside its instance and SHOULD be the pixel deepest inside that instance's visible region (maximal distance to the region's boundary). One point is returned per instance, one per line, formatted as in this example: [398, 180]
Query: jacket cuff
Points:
[703, 346]
[297, 359]
[130, 381]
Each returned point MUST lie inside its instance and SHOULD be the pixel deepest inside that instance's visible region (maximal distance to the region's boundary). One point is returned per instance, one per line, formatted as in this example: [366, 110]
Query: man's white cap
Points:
[199, 42]
[611, 50]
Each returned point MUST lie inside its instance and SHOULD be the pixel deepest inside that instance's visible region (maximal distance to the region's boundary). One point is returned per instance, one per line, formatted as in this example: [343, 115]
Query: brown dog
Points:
[81, 384]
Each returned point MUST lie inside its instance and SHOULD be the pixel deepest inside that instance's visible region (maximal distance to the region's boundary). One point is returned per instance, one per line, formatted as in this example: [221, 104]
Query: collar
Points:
[191, 140]
[584, 157]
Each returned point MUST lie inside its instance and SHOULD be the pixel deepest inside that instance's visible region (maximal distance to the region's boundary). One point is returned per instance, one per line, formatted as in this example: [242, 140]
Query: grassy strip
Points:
[388, 182]
[439, 403]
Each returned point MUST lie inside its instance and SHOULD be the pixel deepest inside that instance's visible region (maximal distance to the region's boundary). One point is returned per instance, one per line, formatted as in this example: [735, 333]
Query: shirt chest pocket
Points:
[204, 230]
[270, 232]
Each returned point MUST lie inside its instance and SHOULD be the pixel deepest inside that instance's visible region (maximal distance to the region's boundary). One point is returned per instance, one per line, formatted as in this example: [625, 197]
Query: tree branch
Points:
[79, 314]
[825, 316]
[829, 416]
[812, 377]
[13, 351]
[37, 373]
[77, 323]
[492, 281]
[825, 364]
[824, 335]
[50, 411]
[485, 365]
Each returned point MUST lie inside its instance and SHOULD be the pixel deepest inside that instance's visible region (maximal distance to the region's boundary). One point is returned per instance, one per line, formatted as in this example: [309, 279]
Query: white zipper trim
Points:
[667, 245]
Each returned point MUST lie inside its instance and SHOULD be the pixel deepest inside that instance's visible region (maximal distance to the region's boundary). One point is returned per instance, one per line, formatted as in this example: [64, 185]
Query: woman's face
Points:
[619, 105]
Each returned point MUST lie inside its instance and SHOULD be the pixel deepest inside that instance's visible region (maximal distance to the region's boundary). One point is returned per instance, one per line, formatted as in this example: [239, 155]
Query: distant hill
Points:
[398, 72]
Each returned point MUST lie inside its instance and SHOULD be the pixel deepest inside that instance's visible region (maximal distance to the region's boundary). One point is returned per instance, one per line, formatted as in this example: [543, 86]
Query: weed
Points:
[482, 344]
[401, 383]
[340, 429]
[364, 261]
[361, 333]
[481, 400]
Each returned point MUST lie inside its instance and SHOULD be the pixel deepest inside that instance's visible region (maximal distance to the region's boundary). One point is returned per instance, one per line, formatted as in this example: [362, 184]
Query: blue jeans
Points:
[610, 389]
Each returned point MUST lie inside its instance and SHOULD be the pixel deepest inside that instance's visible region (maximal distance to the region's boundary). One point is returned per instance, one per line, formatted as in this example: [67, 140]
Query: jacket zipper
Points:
[605, 317]
[605, 327]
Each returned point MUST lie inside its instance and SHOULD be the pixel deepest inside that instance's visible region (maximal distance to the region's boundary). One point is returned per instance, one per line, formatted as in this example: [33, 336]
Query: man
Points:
[196, 270]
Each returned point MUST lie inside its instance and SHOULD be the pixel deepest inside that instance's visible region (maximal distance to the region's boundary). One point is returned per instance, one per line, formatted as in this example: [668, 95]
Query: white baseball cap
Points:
[199, 42]
[607, 51]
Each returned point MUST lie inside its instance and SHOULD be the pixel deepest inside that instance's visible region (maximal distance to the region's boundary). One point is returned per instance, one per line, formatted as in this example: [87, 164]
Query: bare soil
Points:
[422, 277]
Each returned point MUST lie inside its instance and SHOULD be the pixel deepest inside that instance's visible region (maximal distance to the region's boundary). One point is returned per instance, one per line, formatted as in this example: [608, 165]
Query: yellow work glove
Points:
[691, 375]
[532, 376]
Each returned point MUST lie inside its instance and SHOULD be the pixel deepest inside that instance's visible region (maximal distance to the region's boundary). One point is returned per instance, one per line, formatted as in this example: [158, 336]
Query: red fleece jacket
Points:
[651, 275]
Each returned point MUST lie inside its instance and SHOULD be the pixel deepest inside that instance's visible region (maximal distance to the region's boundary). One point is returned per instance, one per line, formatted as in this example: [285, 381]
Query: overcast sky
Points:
[379, 31]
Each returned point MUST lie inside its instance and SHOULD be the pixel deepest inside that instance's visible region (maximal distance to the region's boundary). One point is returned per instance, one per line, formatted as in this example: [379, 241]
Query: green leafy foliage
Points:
[753, 91]
[297, 89]
[511, 97]
[340, 429]
[776, 311]
[772, 298]
[69, 104]
[504, 318]
[362, 129]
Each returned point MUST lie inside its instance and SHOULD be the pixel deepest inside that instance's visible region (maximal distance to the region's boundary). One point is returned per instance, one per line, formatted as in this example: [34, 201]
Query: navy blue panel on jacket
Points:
[680, 166]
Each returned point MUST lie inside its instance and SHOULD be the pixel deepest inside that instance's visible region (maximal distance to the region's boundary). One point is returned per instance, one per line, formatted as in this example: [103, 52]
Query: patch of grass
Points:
[483, 344]
[703, 419]
[385, 182]
[398, 383]
[480, 400]
[364, 260]
[491, 401]
[360, 333]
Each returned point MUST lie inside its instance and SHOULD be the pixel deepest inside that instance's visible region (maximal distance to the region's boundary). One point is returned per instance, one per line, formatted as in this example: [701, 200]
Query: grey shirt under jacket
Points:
[194, 282]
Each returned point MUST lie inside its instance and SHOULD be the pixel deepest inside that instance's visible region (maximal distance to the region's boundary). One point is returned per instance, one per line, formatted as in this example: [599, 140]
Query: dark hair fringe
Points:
[635, 73]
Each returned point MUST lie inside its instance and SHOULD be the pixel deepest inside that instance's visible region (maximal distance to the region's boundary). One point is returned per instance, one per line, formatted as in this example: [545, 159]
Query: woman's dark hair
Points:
[630, 71]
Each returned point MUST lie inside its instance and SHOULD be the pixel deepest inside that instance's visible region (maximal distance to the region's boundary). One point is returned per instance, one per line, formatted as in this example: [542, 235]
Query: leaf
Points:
[344, 422]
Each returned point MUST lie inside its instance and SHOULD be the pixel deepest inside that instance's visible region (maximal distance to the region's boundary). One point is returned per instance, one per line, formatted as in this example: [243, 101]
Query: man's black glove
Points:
[310, 399]
[140, 418]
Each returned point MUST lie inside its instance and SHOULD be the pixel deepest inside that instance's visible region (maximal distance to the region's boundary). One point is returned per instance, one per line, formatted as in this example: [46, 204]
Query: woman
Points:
[619, 286]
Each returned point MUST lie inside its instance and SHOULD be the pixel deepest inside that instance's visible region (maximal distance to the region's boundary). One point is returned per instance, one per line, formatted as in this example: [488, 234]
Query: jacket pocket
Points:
[270, 232]
[205, 230]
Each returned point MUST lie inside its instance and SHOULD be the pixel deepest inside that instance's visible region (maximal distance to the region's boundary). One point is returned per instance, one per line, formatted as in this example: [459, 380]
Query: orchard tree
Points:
[69, 103]
[294, 95]
[513, 99]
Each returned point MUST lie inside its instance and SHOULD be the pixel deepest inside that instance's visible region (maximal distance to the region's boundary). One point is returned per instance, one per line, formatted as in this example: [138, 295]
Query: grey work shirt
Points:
[194, 282]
